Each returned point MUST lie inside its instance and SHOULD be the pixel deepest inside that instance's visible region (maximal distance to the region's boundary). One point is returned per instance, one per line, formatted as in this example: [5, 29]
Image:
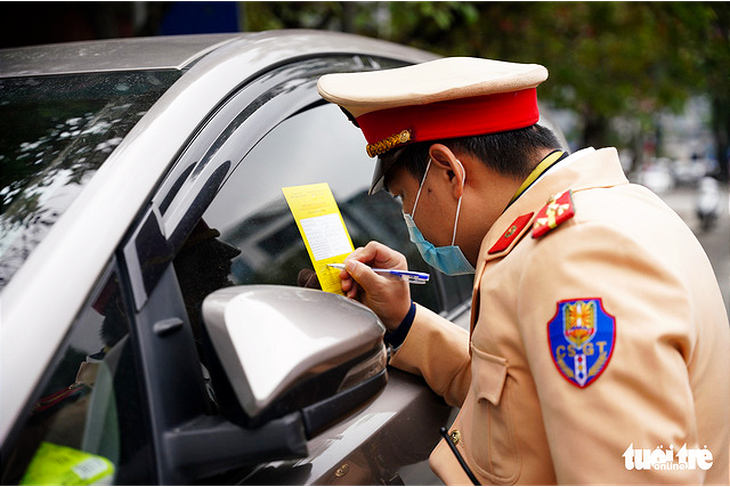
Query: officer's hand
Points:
[388, 297]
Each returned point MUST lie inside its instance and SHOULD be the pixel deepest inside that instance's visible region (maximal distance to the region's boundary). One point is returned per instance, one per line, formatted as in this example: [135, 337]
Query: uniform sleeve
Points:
[437, 350]
[608, 333]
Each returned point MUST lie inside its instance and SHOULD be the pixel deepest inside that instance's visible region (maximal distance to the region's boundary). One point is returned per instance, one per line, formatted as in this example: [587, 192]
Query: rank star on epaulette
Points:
[558, 209]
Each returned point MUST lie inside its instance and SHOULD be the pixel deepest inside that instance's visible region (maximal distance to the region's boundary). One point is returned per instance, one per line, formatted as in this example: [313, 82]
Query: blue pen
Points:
[410, 276]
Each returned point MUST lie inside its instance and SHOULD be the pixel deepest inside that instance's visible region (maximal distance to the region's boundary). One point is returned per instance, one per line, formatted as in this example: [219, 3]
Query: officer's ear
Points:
[449, 167]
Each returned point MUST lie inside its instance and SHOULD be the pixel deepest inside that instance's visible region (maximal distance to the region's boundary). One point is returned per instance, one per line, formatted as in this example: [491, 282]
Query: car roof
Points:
[164, 52]
[139, 53]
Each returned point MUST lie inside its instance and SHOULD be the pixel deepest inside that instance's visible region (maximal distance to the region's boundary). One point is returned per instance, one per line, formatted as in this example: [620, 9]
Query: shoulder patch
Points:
[581, 337]
[558, 209]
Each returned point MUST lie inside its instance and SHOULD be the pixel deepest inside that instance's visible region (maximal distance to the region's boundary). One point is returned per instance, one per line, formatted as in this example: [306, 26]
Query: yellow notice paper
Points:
[323, 230]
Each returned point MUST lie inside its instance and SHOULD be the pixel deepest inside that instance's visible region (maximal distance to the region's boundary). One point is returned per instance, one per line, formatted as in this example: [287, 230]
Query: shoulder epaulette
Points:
[558, 210]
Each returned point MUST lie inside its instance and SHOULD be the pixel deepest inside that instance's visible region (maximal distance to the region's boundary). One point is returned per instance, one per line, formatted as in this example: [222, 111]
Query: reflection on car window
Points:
[312, 147]
[85, 426]
[55, 132]
[202, 266]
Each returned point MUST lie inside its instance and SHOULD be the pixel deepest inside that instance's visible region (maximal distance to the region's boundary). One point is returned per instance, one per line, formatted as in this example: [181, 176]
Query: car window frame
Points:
[173, 202]
[173, 212]
[182, 196]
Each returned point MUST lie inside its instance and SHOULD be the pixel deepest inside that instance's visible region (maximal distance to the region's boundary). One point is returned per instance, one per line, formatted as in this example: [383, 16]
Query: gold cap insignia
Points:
[384, 145]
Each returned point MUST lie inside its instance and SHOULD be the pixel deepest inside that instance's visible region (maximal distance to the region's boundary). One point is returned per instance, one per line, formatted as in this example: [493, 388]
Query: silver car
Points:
[158, 323]
[154, 327]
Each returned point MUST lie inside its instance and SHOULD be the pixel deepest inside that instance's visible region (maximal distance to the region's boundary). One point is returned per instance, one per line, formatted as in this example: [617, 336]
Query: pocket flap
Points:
[489, 374]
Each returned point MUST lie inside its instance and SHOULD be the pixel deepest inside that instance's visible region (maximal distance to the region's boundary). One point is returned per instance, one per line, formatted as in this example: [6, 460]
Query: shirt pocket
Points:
[490, 438]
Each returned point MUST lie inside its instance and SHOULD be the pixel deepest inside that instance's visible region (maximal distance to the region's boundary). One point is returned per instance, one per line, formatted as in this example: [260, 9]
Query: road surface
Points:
[716, 242]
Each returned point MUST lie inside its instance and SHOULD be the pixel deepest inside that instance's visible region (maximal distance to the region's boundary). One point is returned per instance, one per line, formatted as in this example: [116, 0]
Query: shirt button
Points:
[455, 437]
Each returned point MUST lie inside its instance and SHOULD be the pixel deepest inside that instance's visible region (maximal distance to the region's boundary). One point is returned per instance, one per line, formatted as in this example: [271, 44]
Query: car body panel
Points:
[369, 448]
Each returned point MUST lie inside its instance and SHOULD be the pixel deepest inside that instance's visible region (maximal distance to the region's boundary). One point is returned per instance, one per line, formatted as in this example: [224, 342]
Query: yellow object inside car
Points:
[61, 465]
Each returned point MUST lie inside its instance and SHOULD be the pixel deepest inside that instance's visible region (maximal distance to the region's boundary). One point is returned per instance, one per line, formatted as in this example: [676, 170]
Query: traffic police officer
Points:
[598, 349]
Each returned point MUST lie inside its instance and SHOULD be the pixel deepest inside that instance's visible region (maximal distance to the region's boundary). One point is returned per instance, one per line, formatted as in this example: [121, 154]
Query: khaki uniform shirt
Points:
[651, 326]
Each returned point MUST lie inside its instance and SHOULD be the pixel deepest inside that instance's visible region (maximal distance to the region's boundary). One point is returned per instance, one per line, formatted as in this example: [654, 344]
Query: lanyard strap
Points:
[458, 456]
[541, 168]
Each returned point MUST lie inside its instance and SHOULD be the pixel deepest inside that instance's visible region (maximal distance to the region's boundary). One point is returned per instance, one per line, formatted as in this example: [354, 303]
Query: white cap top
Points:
[430, 82]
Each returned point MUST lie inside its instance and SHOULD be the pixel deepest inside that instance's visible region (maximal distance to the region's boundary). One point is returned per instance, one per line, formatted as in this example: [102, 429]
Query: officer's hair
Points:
[510, 153]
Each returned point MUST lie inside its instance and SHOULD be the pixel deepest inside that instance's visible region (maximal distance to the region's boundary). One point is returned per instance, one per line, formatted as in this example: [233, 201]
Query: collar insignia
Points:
[511, 234]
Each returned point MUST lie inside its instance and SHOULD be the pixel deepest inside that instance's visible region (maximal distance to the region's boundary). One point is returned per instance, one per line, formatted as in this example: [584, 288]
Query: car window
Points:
[250, 213]
[85, 425]
[55, 132]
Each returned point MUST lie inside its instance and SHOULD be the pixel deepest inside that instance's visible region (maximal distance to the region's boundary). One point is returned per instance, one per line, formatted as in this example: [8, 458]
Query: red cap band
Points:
[454, 118]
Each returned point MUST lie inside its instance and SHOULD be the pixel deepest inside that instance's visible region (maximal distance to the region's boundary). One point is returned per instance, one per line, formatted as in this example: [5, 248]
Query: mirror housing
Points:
[280, 349]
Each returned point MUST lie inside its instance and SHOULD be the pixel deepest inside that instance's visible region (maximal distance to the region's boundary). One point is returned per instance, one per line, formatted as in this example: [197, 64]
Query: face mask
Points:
[449, 259]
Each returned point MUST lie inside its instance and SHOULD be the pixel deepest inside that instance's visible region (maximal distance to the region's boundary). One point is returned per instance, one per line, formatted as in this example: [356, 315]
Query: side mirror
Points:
[280, 349]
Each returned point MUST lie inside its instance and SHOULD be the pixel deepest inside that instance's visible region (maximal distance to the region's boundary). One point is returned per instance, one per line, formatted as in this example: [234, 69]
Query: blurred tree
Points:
[608, 61]
[709, 34]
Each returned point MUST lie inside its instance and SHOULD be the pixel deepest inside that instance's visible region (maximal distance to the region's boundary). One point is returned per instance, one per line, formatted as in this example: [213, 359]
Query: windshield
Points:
[55, 132]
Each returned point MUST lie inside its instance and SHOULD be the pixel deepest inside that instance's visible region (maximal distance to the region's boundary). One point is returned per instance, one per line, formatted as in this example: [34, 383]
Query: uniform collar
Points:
[547, 163]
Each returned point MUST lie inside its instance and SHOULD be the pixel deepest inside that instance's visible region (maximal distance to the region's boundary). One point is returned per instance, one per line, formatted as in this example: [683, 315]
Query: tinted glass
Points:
[55, 132]
[316, 146]
[87, 424]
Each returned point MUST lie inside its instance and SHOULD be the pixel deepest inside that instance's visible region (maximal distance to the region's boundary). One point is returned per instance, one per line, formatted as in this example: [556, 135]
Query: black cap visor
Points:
[383, 164]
